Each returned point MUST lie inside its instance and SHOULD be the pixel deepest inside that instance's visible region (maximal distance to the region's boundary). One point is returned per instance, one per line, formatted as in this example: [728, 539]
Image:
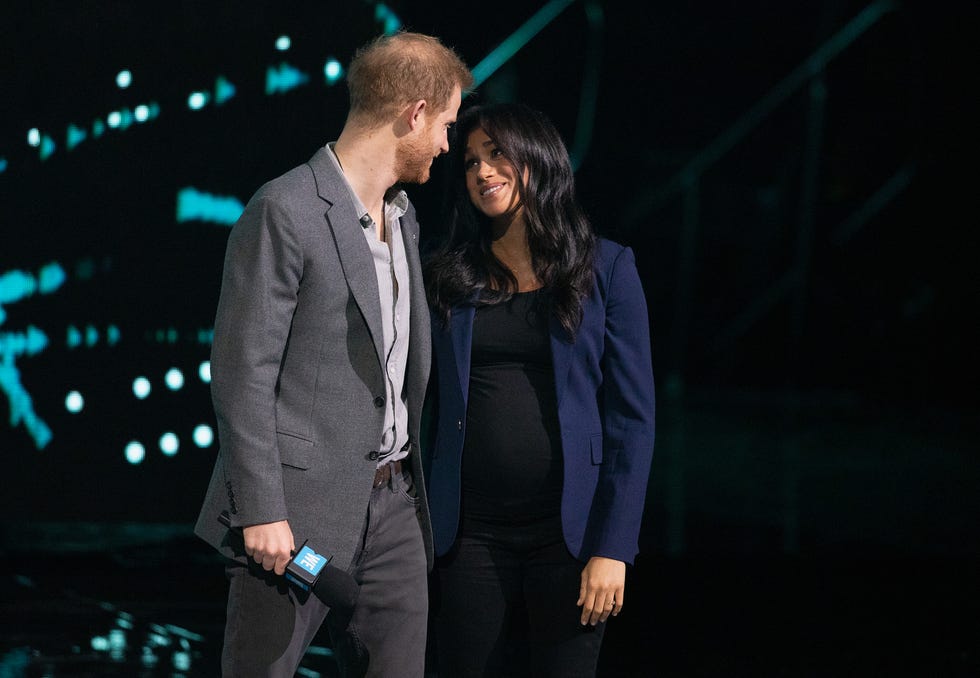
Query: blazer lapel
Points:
[561, 357]
[419, 347]
[352, 248]
[461, 329]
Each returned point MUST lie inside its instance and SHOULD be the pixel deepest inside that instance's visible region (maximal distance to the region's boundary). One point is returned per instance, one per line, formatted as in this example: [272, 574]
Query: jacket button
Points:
[379, 401]
[373, 455]
[459, 424]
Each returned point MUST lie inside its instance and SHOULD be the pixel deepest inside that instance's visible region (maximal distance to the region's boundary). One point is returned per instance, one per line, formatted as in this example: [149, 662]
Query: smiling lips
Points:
[490, 189]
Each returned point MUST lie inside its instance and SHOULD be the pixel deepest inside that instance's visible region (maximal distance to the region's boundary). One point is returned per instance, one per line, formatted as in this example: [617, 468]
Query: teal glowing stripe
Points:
[16, 285]
[12, 346]
[195, 205]
[76, 135]
[223, 90]
[284, 78]
[510, 46]
[47, 147]
[384, 14]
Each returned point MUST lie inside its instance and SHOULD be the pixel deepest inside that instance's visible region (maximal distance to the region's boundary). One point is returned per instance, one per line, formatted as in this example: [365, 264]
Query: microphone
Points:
[309, 571]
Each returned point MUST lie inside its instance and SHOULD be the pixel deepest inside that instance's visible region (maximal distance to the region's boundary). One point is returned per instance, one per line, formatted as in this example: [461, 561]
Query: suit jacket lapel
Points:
[561, 356]
[461, 329]
[419, 346]
[355, 255]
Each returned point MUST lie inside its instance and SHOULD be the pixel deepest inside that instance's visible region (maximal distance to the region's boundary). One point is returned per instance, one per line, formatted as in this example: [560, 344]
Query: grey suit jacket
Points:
[297, 367]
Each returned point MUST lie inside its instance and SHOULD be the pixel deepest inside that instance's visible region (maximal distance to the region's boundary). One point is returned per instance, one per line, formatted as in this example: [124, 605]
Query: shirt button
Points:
[379, 401]
[373, 455]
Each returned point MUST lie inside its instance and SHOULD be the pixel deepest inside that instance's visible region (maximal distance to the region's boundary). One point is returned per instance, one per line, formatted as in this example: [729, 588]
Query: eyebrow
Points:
[488, 142]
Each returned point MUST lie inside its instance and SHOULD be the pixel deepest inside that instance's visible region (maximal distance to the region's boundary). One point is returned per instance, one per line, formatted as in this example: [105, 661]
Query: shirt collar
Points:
[396, 200]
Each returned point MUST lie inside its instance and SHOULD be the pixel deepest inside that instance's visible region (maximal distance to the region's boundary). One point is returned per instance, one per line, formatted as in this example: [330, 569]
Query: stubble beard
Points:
[412, 162]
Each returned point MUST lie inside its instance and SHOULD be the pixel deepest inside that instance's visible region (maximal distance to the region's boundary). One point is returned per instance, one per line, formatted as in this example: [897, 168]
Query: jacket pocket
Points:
[294, 451]
[596, 441]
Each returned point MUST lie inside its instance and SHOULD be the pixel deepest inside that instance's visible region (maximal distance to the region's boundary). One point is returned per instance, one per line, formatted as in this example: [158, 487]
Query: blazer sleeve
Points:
[263, 267]
[628, 409]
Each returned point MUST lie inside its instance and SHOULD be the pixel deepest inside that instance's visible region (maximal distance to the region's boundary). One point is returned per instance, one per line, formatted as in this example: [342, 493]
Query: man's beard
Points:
[412, 162]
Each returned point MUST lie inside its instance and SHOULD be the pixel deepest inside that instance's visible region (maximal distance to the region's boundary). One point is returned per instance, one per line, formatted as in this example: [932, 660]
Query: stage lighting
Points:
[203, 436]
[74, 402]
[174, 379]
[197, 100]
[169, 444]
[135, 452]
[141, 387]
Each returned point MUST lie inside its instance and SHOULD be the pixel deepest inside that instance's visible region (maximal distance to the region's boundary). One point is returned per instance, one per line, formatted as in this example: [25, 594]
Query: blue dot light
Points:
[169, 444]
[203, 436]
[74, 402]
[141, 113]
[174, 379]
[124, 79]
[332, 70]
[34, 137]
[197, 100]
[204, 371]
[135, 452]
[141, 387]
[283, 43]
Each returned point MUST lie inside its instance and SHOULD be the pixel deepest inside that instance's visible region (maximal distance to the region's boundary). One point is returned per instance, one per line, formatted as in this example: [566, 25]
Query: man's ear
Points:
[415, 114]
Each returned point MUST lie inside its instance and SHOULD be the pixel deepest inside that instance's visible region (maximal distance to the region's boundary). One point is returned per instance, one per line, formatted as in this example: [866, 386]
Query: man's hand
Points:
[601, 592]
[270, 545]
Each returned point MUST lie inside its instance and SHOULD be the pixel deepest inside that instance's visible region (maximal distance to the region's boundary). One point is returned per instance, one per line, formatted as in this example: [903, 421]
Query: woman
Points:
[544, 409]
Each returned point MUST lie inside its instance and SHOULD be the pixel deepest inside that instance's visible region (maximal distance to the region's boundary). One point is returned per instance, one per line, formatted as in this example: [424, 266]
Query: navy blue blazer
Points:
[605, 394]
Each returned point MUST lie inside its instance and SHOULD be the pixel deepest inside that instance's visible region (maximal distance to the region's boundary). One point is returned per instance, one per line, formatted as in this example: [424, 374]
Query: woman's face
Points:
[491, 179]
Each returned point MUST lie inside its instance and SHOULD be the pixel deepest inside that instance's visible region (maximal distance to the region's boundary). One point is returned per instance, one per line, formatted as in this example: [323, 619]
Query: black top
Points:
[512, 462]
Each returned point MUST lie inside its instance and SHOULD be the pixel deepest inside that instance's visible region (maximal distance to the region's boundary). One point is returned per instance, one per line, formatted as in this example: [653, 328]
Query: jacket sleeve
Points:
[263, 267]
[628, 406]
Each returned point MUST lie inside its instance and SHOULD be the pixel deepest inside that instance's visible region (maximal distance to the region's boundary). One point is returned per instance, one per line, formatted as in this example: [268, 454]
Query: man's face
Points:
[416, 152]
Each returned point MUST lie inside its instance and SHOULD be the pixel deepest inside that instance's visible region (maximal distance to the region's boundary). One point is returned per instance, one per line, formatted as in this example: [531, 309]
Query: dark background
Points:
[795, 191]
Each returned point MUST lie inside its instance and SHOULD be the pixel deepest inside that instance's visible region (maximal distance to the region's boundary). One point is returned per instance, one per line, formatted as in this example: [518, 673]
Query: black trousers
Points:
[504, 605]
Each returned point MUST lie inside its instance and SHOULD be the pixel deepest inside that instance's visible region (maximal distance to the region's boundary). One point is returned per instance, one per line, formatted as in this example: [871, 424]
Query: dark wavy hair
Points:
[463, 268]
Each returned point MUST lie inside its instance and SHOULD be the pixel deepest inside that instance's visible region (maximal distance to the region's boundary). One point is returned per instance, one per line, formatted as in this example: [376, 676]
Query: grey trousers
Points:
[270, 623]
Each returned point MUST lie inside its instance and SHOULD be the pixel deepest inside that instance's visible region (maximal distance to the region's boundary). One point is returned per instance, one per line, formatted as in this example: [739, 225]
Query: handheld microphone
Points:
[308, 571]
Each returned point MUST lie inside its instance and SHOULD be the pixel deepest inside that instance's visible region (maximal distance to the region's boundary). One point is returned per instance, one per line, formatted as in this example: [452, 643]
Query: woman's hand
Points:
[601, 592]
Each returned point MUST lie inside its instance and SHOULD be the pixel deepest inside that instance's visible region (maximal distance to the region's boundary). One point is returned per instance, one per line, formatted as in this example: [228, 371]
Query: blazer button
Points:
[379, 401]
[373, 455]
[459, 424]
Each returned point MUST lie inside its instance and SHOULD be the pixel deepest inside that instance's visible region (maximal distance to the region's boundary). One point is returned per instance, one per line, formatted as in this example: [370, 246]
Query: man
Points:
[319, 365]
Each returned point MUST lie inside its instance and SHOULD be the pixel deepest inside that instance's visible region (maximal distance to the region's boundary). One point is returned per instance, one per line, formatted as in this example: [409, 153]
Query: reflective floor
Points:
[156, 609]
[823, 544]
